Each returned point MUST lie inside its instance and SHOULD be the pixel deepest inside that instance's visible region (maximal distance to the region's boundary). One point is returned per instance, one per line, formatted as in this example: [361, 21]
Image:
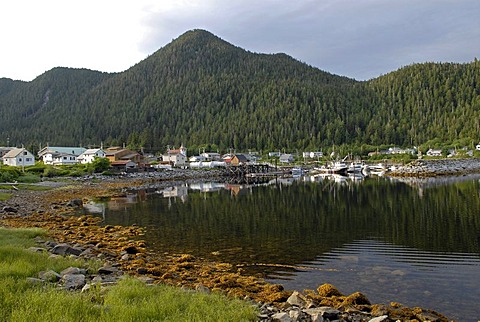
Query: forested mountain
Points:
[200, 90]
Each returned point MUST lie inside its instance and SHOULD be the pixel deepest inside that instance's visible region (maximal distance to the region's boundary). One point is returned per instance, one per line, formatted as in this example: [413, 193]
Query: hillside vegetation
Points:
[200, 90]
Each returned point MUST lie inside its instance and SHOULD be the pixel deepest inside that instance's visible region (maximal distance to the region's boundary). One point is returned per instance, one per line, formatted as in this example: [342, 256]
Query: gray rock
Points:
[65, 249]
[35, 281]
[297, 299]
[281, 317]
[72, 271]
[294, 314]
[75, 203]
[324, 311]
[50, 276]
[73, 281]
[107, 270]
[202, 289]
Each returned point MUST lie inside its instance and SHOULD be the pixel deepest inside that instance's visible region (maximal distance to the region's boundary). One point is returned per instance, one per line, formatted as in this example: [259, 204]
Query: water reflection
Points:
[415, 241]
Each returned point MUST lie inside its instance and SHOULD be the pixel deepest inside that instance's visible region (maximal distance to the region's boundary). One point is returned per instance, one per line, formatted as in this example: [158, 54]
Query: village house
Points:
[238, 159]
[60, 155]
[312, 155]
[274, 154]
[211, 156]
[91, 154]
[176, 157]
[18, 158]
[114, 154]
[286, 158]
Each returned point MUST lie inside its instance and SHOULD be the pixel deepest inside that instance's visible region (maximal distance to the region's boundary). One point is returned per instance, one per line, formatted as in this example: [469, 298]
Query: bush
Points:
[9, 174]
[29, 178]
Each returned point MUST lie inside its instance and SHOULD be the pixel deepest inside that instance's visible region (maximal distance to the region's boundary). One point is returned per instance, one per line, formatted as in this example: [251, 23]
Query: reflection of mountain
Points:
[301, 221]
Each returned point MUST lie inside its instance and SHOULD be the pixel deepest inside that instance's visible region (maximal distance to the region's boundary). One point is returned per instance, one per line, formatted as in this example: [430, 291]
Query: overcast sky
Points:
[361, 39]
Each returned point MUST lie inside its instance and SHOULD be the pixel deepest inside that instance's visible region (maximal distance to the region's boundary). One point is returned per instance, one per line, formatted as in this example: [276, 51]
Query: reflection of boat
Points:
[297, 172]
[378, 169]
[355, 167]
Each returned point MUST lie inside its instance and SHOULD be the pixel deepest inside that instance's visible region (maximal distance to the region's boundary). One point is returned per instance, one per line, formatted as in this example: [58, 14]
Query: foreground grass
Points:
[130, 300]
[24, 186]
[5, 196]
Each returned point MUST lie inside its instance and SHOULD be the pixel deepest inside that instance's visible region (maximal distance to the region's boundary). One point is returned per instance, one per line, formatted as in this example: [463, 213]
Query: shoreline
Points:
[437, 167]
[123, 246]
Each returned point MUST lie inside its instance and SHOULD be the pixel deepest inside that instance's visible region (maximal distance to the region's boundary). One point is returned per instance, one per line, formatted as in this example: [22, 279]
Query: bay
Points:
[413, 241]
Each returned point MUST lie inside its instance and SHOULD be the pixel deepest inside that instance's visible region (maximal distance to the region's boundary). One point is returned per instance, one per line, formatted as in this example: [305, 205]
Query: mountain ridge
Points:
[202, 90]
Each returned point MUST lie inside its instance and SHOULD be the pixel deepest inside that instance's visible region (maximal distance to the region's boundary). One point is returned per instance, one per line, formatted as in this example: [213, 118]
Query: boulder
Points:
[72, 270]
[324, 312]
[328, 290]
[75, 203]
[73, 281]
[297, 299]
[281, 317]
[65, 249]
[49, 276]
[356, 298]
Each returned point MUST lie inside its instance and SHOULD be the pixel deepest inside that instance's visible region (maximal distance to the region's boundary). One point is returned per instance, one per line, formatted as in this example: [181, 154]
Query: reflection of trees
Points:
[300, 222]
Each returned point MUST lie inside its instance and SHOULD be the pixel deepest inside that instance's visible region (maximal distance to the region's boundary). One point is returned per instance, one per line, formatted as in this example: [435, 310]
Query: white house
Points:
[63, 159]
[90, 154]
[286, 158]
[60, 155]
[176, 157]
[19, 158]
[312, 155]
[211, 156]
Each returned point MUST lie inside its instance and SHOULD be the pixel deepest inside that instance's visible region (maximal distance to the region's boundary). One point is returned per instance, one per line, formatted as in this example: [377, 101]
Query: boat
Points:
[338, 167]
[355, 167]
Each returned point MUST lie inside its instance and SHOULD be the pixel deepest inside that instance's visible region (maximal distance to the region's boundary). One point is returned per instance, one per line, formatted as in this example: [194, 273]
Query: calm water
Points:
[415, 242]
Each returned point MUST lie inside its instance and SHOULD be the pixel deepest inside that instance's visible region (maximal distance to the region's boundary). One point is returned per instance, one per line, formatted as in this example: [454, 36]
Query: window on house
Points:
[20, 159]
[28, 159]
[24, 152]
[64, 158]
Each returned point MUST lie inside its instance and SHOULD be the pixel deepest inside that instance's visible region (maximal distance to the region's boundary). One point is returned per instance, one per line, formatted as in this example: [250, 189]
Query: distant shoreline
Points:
[437, 167]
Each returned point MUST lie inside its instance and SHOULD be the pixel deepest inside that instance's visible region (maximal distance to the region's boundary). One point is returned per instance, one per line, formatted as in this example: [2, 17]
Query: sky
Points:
[361, 39]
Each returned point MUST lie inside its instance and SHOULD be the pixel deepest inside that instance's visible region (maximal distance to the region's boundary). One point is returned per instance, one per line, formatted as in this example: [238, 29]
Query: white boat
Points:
[355, 167]
[338, 167]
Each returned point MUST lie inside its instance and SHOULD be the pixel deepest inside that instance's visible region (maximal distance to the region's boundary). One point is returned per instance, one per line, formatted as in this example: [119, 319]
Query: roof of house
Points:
[14, 152]
[241, 157]
[52, 149]
[91, 151]
[286, 156]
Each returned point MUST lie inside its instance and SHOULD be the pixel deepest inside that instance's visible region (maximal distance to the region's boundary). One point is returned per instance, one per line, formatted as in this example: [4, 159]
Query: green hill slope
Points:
[200, 90]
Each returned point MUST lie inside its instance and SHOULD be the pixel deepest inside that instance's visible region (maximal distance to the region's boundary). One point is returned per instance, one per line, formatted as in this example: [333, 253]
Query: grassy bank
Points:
[129, 300]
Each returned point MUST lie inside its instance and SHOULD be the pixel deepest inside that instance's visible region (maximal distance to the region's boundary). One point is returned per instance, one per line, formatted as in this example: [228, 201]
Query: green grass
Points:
[24, 186]
[129, 300]
[5, 196]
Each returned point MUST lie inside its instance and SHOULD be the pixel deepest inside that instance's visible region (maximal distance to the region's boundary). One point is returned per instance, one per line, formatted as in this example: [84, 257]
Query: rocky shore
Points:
[441, 167]
[124, 252]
